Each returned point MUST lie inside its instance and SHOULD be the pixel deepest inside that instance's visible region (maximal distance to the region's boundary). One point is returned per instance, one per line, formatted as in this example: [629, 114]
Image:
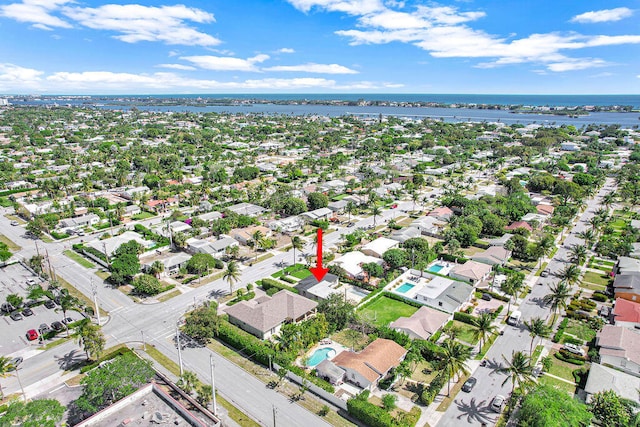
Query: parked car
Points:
[469, 384]
[6, 307]
[44, 329]
[544, 273]
[486, 297]
[496, 403]
[14, 363]
[31, 281]
[67, 320]
[57, 326]
[514, 319]
[31, 303]
[14, 223]
[574, 349]
[27, 312]
[32, 334]
[16, 316]
[49, 304]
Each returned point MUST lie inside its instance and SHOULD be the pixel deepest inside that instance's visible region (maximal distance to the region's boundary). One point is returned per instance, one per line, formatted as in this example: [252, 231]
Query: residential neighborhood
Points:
[476, 270]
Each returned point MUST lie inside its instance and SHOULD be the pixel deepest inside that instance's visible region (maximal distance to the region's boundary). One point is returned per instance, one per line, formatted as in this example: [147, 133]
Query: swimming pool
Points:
[319, 355]
[405, 288]
[435, 268]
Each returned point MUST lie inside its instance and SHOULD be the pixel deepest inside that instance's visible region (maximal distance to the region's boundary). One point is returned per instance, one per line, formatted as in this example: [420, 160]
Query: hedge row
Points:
[326, 386]
[289, 279]
[370, 414]
[558, 335]
[119, 352]
[245, 297]
[267, 284]
[562, 355]
[452, 258]
[465, 318]
[434, 388]
[253, 347]
[496, 295]
[407, 301]
[599, 296]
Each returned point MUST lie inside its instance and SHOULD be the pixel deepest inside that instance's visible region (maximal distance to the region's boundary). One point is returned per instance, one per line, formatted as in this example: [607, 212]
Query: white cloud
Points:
[177, 67]
[446, 32]
[226, 63]
[37, 12]
[314, 68]
[15, 78]
[286, 50]
[606, 15]
[352, 7]
[137, 23]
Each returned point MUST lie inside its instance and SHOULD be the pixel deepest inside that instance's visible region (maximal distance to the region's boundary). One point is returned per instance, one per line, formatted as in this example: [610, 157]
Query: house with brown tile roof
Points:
[518, 224]
[442, 213]
[367, 367]
[545, 209]
[471, 271]
[619, 348]
[493, 255]
[264, 316]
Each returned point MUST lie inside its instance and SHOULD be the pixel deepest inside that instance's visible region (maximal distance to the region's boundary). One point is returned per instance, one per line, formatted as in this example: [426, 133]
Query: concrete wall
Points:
[320, 392]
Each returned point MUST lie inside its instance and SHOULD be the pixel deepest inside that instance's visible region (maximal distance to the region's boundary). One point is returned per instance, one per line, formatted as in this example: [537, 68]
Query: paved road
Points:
[472, 408]
[128, 322]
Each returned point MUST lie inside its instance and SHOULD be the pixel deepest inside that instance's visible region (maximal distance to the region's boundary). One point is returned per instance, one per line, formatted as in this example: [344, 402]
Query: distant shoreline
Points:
[539, 104]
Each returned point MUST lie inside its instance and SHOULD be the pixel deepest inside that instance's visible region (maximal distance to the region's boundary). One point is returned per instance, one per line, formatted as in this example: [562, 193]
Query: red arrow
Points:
[318, 271]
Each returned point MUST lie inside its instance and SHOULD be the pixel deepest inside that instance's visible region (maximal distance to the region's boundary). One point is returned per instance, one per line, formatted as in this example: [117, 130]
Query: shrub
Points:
[369, 414]
[267, 284]
[571, 340]
[257, 349]
[312, 378]
[289, 279]
[497, 312]
[465, 318]
[496, 295]
[324, 411]
[567, 356]
[560, 331]
[599, 296]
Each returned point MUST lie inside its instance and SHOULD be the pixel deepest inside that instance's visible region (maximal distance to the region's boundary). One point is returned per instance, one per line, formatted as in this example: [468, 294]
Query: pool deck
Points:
[327, 343]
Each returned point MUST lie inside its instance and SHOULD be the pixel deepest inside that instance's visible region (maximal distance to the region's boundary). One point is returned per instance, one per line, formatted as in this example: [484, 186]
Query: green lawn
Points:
[561, 368]
[571, 389]
[466, 332]
[580, 330]
[10, 244]
[592, 287]
[595, 278]
[143, 215]
[79, 259]
[301, 274]
[536, 354]
[604, 262]
[385, 310]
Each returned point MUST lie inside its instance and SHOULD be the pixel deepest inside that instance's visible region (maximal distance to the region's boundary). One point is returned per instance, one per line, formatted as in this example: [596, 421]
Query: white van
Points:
[514, 319]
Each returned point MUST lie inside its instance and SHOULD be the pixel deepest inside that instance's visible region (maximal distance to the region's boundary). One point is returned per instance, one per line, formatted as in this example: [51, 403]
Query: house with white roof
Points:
[352, 262]
[379, 246]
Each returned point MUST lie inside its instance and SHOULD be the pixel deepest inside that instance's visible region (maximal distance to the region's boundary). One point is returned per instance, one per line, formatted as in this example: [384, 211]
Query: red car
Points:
[32, 334]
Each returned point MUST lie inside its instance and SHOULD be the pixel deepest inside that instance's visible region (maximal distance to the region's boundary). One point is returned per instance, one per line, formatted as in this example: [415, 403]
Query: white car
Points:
[496, 404]
[574, 349]
[14, 222]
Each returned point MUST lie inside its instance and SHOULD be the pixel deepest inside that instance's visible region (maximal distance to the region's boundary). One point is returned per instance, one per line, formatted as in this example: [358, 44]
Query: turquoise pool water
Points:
[435, 268]
[319, 355]
[405, 288]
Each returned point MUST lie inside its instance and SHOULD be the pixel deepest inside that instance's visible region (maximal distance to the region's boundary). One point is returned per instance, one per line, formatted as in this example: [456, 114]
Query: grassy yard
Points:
[485, 348]
[561, 368]
[10, 244]
[466, 332]
[343, 338]
[455, 388]
[104, 275]
[604, 262]
[595, 278]
[143, 215]
[592, 287]
[79, 259]
[571, 389]
[580, 330]
[536, 354]
[15, 218]
[301, 274]
[385, 310]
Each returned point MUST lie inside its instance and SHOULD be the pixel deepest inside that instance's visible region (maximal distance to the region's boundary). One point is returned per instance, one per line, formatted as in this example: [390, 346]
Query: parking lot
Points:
[13, 280]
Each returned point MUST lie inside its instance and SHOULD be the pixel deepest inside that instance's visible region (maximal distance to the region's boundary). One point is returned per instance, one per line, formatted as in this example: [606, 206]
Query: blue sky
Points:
[319, 46]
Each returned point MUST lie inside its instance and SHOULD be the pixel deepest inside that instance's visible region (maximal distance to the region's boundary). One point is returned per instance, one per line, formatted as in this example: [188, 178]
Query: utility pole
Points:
[24, 396]
[49, 263]
[144, 344]
[213, 386]
[37, 249]
[94, 289]
[179, 349]
[106, 255]
[275, 411]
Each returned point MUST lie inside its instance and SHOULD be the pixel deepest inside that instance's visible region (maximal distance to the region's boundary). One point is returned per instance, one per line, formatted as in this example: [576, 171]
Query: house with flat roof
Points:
[309, 287]
[248, 209]
[444, 294]
[287, 225]
[379, 246]
[428, 224]
[422, 324]
[405, 234]
[471, 271]
[172, 264]
[619, 348]
[626, 265]
[367, 367]
[216, 248]
[500, 241]
[317, 214]
[351, 263]
[112, 243]
[245, 235]
[264, 316]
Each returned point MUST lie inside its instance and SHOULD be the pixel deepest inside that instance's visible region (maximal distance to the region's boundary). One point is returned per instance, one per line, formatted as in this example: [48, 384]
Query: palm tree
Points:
[454, 357]
[595, 223]
[188, 382]
[485, 328]
[375, 211]
[537, 328]
[231, 275]
[558, 297]
[518, 370]
[587, 235]
[157, 267]
[609, 199]
[5, 367]
[68, 302]
[570, 274]
[256, 237]
[296, 244]
[350, 208]
[512, 286]
[233, 251]
[578, 254]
